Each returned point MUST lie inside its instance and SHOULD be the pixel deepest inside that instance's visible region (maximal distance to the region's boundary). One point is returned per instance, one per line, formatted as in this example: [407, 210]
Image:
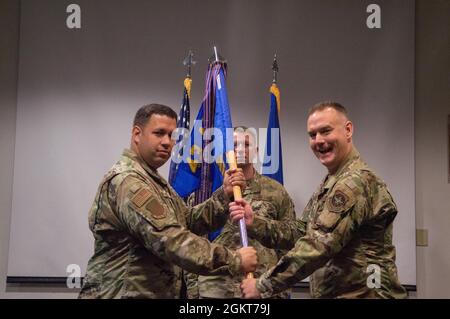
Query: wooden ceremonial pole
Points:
[231, 160]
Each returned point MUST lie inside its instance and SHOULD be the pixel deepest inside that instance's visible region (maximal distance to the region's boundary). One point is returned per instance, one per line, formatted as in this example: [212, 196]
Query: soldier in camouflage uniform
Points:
[269, 199]
[140, 224]
[344, 238]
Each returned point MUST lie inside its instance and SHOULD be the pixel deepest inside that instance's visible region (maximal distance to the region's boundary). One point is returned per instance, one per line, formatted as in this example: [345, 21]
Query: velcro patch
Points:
[338, 202]
[141, 197]
[351, 184]
[135, 187]
[155, 209]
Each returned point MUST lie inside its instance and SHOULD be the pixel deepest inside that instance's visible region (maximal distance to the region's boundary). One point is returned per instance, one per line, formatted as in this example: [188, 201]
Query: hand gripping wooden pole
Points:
[231, 159]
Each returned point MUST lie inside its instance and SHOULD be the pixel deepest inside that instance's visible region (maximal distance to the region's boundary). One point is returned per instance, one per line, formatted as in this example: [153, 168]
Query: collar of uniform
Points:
[330, 180]
[153, 173]
[253, 184]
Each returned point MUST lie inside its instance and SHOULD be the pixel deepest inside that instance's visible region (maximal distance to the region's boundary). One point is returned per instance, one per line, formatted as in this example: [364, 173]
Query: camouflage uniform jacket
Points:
[269, 199]
[344, 234]
[141, 238]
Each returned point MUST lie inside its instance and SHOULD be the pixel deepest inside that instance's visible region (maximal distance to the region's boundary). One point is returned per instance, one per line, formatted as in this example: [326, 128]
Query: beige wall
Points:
[9, 39]
[9, 31]
[432, 106]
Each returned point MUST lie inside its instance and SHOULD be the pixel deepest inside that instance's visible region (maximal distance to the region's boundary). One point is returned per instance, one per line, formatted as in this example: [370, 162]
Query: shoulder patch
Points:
[141, 197]
[341, 199]
[338, 201]
[155, 209]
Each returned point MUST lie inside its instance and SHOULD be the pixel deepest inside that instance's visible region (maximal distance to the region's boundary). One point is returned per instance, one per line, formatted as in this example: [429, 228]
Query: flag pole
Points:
[189, 62]
[231, 159]
[274, 87]
[215, 54]
[237, 193]
[184, 115]
[275, 69]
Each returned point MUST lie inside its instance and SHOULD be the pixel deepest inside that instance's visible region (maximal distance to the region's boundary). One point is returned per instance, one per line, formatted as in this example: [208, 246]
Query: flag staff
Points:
[231, 159]
[189, 62]
[275, 68]
[216, 58]
[215, 54]
[184, 115]
[274, 88]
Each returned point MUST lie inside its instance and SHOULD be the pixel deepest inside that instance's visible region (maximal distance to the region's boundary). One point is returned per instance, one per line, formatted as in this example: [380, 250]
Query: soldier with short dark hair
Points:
[144, 233]
[344, 238]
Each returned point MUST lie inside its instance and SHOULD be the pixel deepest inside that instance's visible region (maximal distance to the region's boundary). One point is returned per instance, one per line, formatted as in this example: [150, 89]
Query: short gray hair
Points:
[328, 104]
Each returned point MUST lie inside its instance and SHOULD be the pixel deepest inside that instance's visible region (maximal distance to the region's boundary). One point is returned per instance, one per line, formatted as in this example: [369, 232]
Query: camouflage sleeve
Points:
[210, 215]
[153, 224]
[191, 281]
[384, 207]
[342, 215]
[286, 215]
[286, 209]
[280, 233]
